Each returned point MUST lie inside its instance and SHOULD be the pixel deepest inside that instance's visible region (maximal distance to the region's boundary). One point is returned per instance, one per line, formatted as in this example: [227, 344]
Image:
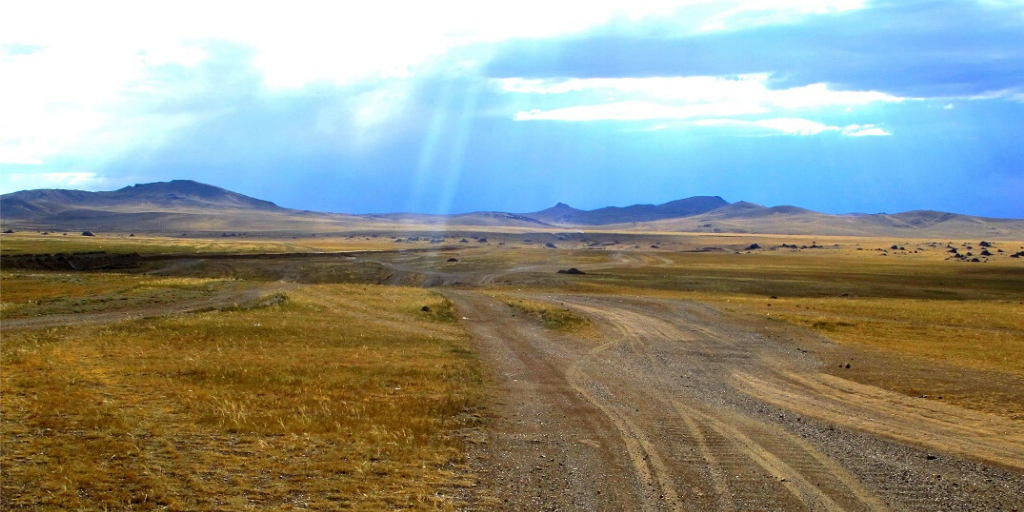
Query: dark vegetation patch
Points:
[95, 260]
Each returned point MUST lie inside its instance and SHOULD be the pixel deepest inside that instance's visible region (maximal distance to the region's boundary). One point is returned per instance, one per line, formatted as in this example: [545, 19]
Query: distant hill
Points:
[175, 196]
[563, 214]
[179, 205]
[189, 206]
[743, 217]
[494, 219]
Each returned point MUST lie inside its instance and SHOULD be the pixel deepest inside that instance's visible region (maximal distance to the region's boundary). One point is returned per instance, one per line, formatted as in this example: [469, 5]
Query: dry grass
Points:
[983, 334]
[550, 315]
[28, 294]
[341, 396]
[34, 243]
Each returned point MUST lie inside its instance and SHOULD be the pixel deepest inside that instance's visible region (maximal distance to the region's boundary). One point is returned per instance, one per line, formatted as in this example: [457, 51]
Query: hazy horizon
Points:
[837, 106]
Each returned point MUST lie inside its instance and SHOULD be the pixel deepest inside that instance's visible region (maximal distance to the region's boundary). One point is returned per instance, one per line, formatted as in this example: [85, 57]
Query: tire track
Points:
[813, 483]
[691, 406]
[223, 298]
[937, 426]
[646, 460]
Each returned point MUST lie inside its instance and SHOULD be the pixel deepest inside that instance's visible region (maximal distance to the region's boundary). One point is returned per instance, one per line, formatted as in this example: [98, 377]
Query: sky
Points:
[839, 106]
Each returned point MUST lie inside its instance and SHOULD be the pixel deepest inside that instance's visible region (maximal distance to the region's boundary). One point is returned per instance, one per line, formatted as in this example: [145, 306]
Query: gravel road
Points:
[677, 407]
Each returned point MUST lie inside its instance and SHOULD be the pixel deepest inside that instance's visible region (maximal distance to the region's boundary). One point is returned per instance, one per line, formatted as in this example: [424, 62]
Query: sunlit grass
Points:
[33, 243]
[983, 334]
[341, 396]
[24, 293]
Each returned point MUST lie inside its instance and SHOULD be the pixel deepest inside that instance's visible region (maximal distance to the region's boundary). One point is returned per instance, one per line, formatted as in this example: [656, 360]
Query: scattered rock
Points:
[87, 233]
[550, 245]
[453, 260]
[752, 247]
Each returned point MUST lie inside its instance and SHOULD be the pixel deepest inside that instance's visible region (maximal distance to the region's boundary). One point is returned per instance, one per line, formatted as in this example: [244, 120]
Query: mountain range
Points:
[189, 206]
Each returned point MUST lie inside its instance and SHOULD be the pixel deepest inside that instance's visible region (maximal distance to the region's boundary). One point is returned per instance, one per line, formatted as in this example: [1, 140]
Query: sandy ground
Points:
[677, 407]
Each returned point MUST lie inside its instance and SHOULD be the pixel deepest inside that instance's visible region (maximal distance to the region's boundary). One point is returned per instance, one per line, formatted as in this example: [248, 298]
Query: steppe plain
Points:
[455, 369]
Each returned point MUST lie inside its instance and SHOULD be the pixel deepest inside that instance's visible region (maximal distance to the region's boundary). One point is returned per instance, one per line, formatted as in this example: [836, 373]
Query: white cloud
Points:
[794, 126]
[74, 73]
[681, 98]
[786, 125]
[773, 12]
[636, 111]
[14, 181]
[746, 89]
[865, 131]
[77, 73]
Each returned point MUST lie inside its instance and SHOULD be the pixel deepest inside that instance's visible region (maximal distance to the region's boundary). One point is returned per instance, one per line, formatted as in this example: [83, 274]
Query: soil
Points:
[674, 406]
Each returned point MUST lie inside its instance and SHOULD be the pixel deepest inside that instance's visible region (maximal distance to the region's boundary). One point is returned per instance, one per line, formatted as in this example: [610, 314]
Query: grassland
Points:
[37, 243]
[340, 396]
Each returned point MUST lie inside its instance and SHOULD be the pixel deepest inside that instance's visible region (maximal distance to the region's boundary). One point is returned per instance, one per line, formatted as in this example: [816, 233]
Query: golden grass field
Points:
[341, 396]
[346, 395]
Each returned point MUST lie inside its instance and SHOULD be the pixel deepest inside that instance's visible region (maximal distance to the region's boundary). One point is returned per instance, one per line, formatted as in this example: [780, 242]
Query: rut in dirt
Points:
[652, 415]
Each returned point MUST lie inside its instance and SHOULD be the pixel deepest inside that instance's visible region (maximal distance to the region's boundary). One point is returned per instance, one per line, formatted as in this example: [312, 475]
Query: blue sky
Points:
[834, 105]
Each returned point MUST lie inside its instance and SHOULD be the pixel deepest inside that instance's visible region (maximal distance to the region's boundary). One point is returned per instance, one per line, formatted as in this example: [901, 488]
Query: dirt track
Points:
[675, 407]
[228, 297]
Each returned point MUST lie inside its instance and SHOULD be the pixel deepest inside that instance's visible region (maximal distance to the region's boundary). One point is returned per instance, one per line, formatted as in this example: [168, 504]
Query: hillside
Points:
[563, 214]
[745, 217]
[183, 206]
[179, 205]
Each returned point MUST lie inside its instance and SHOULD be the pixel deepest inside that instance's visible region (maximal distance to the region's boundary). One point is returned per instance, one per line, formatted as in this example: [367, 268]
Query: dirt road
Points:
[675, 407]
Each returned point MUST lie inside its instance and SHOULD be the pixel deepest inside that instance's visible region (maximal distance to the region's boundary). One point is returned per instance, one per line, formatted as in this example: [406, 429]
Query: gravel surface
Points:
[677, 407]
